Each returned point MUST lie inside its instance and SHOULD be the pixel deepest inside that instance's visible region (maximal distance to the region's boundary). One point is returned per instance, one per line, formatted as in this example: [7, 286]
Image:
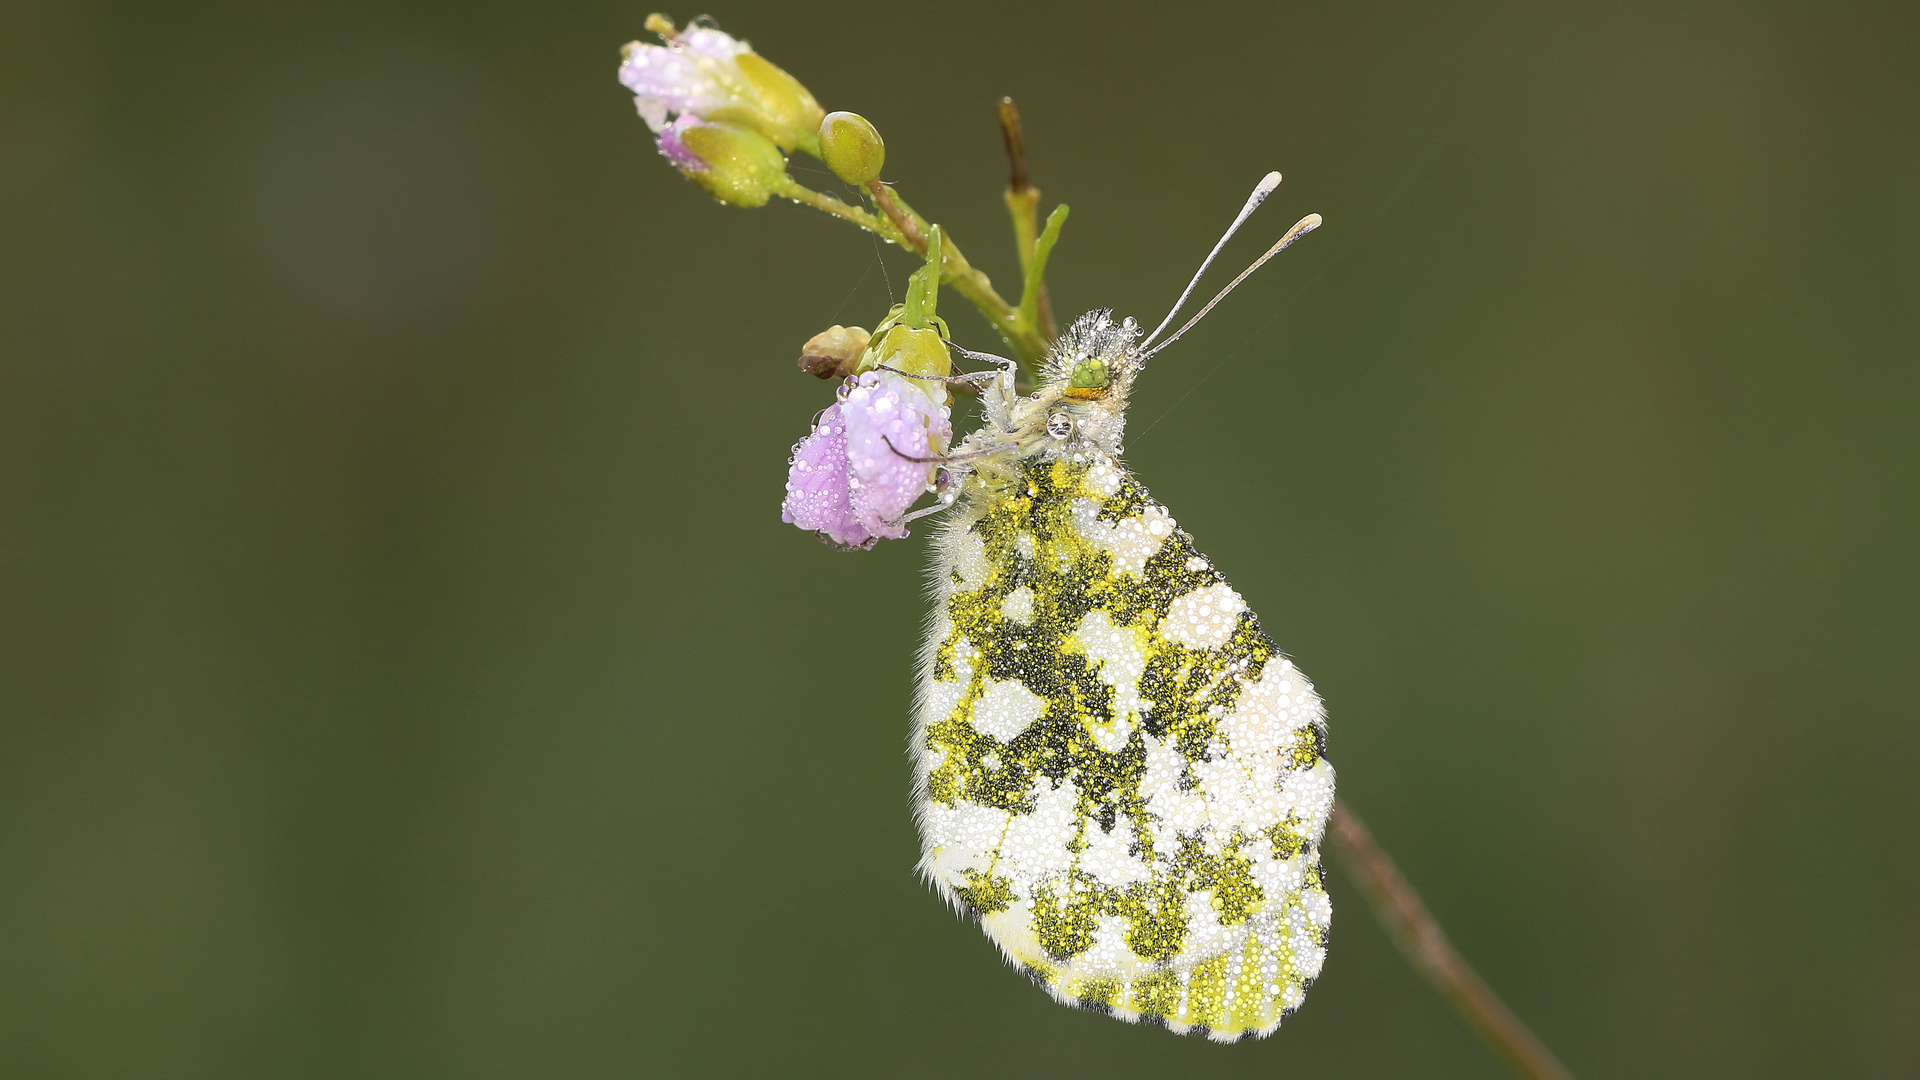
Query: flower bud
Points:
[833, 352]
[704, 73]
[735, 165]
[914, 352]
[851, 147]
[786, 112]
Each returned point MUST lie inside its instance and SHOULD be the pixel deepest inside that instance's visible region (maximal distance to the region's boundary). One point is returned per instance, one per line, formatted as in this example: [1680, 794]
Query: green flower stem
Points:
[1021, 334]
[902, 227]
[1023, 199]
[1023, 206]
[790, 188]
[898, 224]
[923, 289]
[911, 225]
[1037, 269]
[1425, 945]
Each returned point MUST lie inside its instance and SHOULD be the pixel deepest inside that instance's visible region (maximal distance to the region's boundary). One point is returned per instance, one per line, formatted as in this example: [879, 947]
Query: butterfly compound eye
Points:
[1090, 374]
[1090, 379]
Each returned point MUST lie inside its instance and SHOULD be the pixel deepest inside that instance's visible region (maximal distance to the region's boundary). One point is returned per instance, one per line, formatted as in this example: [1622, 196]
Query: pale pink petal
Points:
[818, 489]
[667, 80]
[675, 149]
[711, 43]
[889, 421]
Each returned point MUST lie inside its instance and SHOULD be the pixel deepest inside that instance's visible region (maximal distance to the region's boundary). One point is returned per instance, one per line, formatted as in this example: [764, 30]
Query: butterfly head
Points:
[1087, 378]
[1095, 360]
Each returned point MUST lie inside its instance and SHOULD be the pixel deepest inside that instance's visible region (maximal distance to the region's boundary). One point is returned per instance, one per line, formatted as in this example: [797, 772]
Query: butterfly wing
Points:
[1115, 768]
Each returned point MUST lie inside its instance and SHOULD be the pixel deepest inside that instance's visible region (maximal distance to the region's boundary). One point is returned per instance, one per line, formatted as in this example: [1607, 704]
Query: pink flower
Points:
[692, 74]
[702, 72]
[818, 494]
[854, 478]
[890, 421]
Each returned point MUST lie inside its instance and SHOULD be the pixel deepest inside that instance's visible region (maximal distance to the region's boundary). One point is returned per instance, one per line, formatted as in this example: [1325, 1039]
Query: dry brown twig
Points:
[1412, 927]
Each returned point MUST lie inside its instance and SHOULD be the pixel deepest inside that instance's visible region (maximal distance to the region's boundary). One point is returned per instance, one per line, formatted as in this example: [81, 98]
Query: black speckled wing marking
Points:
[1115, 768]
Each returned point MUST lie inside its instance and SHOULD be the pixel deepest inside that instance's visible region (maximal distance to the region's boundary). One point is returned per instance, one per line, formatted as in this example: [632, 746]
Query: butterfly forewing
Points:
[1116, 769]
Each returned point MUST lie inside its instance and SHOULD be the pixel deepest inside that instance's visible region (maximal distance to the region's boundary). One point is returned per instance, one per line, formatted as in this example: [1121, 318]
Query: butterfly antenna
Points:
[1260, 192]
[1301, 228]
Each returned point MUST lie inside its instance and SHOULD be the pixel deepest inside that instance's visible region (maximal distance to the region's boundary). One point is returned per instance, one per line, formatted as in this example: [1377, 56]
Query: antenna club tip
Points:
[1269, 181]
[1310, 222]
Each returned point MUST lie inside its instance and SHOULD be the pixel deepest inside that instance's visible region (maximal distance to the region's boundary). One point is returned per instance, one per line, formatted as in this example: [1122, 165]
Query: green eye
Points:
[1089, 375]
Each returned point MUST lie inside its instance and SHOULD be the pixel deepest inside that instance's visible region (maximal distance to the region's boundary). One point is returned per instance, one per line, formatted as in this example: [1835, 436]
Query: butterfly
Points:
[1115, 769]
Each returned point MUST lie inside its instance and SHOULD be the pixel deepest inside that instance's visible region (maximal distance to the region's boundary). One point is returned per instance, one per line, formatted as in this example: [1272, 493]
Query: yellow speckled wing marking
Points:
[1116, 769]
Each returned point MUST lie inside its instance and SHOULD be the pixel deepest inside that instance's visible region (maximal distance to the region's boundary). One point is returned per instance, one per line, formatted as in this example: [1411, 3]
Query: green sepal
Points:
[911, 350]
[897, 315]
[923, 288]
[913, 339]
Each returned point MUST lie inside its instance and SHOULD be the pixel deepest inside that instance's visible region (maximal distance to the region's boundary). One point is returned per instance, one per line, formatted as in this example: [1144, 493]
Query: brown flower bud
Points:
[832, 353]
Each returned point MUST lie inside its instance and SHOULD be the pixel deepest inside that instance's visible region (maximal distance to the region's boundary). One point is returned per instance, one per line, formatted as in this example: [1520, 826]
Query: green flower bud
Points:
[737, 166]
[787, 114]
[915, 352]
[851, 147]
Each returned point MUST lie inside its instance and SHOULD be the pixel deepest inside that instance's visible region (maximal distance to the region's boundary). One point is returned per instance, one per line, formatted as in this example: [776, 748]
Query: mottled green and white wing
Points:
[1115, 769]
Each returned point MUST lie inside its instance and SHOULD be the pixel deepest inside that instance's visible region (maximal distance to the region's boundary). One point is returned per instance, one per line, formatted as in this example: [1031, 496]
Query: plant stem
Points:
[1037, 269]
[897, 223]
[1425, 945]
[1023, 205]
[1028, 345]
[806, 196]
[910, 225]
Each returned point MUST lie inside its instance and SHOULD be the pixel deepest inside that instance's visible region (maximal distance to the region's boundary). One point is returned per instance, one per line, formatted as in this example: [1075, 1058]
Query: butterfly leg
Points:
[966, 378]
[984, 357]
[943, 459]
[950, 487]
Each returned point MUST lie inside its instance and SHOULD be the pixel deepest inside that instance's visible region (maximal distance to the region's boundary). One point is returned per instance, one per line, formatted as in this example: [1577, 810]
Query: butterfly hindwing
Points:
[1115, 768]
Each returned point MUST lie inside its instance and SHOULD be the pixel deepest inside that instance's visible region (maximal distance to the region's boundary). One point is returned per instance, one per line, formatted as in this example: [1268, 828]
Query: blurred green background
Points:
[405, 673]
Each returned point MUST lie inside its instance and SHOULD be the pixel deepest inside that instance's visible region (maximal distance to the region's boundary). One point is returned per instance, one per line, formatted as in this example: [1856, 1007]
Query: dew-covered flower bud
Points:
[735, 165]
[851, 147]
[705, 73]
[833, 352]
[854, 478]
